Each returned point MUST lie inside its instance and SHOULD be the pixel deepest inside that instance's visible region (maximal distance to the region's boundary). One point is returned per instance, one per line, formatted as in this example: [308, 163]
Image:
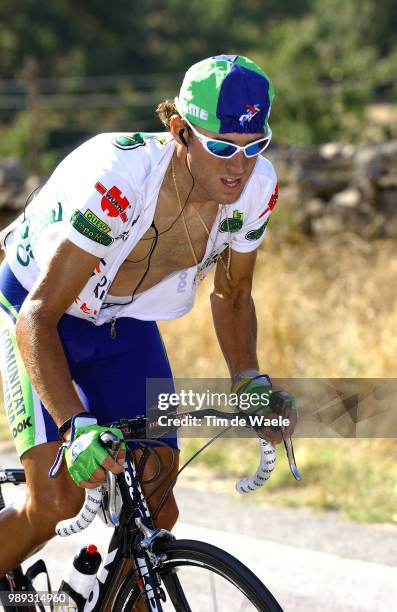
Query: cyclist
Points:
[119, 237]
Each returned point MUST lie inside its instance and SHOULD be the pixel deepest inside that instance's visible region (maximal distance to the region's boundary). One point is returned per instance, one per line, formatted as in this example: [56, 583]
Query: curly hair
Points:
[165, 111]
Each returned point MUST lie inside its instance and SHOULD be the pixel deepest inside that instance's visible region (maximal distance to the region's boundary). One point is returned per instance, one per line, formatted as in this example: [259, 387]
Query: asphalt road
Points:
[310, 562]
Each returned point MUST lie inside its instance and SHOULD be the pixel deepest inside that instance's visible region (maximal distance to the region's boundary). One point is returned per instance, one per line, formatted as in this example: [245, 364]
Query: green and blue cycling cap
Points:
[227, 94]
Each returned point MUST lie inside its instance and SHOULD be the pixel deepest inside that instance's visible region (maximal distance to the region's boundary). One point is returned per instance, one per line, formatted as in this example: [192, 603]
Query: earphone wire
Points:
[171, 225]
[153, 246]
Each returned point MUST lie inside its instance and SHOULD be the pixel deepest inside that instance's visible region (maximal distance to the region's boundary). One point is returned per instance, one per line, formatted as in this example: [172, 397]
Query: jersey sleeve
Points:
[262, 199]
[100, 207]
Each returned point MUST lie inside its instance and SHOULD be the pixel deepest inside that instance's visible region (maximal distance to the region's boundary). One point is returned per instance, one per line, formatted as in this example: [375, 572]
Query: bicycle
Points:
[167, 573]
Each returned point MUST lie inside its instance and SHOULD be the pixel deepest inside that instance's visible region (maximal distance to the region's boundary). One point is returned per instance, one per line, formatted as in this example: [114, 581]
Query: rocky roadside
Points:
[328, 190]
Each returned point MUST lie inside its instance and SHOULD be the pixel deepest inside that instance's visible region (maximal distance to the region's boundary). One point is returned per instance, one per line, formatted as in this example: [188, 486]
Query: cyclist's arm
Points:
[54, 291]
[233, 312]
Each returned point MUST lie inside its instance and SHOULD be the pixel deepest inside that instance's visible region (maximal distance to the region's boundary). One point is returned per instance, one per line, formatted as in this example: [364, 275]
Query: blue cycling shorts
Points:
[109, 373]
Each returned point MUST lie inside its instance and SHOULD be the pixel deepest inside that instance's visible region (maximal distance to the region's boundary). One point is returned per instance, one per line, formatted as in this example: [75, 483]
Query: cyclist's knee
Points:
[48, 500]
[168, 515]
[172, 514]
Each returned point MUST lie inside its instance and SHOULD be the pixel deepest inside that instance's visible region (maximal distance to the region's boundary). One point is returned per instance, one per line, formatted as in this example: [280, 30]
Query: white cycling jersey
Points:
[102, 197]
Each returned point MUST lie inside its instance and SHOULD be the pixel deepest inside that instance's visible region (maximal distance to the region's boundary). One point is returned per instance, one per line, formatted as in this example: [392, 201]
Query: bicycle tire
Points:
[182, 553]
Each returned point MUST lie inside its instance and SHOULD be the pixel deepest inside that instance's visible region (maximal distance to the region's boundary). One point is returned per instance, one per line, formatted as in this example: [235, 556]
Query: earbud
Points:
[181, 136]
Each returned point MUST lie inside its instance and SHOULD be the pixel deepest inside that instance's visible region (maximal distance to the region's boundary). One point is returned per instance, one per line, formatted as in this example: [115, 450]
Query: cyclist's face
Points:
[222, 179]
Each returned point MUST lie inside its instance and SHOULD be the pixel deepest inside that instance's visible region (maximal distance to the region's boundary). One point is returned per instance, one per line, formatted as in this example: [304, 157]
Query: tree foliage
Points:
[327, 58]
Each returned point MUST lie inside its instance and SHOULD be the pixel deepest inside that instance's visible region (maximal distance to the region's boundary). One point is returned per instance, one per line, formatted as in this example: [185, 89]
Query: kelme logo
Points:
[256, 233]
[196, 111]
[232, 224]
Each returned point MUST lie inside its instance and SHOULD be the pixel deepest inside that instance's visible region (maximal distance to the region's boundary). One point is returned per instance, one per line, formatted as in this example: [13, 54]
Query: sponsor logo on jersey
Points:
[232, 224]
[22, 425]
[31, 232]
[94, 220]
[256, 233]
[86, 310]
[162, 139]
[24, 254]
[113, 203]
[101, 288]
[124, 235]
[129, 141]
[182, 283]
[13, 386]
[97, 269]
[84, 227]
[250, 114]
[271, 203]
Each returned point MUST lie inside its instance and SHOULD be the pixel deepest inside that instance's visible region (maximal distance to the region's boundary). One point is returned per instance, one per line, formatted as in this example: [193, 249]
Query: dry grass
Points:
[355, 477]
[325, 309]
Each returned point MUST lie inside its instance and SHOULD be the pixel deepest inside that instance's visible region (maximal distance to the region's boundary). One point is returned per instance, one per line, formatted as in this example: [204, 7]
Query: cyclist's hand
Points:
[268, 403]
[86, 458]
[277, 435]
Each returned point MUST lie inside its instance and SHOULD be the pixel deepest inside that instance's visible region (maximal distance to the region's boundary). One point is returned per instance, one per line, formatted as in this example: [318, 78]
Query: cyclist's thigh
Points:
[113, 382]
[34, 431]
[29, 422]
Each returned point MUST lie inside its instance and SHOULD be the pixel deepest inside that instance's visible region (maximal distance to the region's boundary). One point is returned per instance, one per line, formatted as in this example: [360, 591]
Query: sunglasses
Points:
[224, 149]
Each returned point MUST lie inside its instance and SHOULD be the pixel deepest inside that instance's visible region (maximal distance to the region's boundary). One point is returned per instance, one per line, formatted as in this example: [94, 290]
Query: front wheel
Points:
[199, 577]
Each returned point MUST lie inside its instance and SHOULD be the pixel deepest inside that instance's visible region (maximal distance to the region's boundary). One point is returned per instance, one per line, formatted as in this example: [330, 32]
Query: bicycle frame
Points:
[134, 535]
[132, 539]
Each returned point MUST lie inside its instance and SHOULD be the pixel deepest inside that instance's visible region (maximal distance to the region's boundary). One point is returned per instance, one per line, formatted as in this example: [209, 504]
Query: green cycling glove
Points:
[84, 453]
[255, 384]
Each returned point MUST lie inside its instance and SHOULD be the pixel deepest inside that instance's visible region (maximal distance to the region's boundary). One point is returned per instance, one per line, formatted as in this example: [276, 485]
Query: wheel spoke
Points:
[213, 590]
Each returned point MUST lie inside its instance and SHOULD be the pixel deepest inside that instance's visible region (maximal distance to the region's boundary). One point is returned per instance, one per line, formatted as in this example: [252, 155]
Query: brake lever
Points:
[282, 405]
[112, 445]
[289, 449]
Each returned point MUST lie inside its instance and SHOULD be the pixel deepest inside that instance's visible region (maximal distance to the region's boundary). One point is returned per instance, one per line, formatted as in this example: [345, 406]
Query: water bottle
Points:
[81, 579]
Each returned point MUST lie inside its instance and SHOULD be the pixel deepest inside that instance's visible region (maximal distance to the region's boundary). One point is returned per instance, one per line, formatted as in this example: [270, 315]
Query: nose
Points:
[237, 164]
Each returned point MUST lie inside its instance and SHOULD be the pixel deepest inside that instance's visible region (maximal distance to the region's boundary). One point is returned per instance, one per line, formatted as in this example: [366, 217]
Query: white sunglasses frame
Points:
[204, 139]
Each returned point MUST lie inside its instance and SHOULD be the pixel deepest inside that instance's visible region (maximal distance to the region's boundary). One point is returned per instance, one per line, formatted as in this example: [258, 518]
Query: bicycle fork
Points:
[147, 561]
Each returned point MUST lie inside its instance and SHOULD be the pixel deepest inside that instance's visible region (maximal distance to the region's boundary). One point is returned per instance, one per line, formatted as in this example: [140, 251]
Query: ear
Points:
[177, 125]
